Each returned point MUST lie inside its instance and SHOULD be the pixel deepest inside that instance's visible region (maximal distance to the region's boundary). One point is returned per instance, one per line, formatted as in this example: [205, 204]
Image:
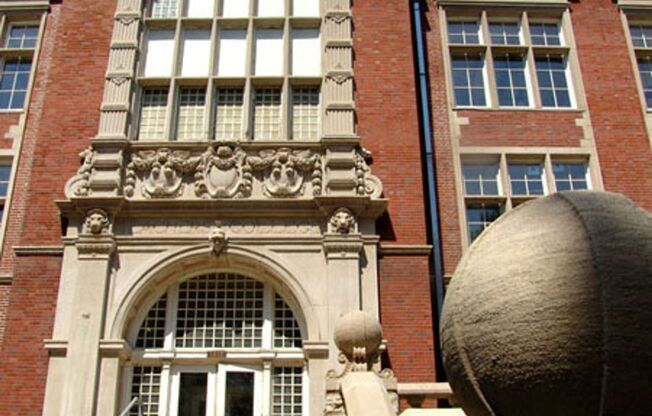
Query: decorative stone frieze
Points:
[367, 184]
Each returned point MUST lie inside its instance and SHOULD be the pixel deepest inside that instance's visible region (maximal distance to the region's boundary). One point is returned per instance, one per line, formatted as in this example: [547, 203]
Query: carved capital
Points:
[343, 247]
[93, 248]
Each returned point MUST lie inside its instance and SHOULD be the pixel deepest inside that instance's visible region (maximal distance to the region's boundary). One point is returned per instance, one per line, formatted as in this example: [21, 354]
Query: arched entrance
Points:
[217, 344]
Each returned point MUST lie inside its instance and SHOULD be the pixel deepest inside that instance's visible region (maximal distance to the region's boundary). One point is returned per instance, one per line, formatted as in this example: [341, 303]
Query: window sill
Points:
[12, 111]
[523, 109]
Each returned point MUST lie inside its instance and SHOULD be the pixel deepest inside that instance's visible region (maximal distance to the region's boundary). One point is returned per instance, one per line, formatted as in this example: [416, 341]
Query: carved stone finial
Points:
[97, 222]
[218, 239]
[342, 222]
[359, 336]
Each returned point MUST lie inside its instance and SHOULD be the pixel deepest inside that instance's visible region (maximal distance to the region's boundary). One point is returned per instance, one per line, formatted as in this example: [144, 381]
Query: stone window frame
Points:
[267, 358]
[524, 12]
[503, 157]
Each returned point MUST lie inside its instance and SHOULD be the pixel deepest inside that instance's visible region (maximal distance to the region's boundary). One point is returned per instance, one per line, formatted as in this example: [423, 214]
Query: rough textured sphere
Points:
[550, 311]
[358, 329]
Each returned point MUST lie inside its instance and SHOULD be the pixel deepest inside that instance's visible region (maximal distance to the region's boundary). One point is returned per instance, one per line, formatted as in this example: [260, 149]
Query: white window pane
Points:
[200, 8]
[152, 113]
[165, 8]
[271, 8]
[305, 7]
[267, 113]
[305, 113]
[235, 8]
[228, 123]
[233, 53]
[269, 52]
[196, 53]
[160, 50]
[306, 52]
[190, 123]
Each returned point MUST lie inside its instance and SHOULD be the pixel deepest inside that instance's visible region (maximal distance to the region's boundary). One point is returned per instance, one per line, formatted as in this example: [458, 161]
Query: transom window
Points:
[505, 33]
[228, 73]
[641, 35]
[22, 36]
[519, 52]
[230, 313]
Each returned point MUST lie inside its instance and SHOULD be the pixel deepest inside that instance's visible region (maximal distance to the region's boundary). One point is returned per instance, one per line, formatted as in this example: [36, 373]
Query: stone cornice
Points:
[56, 347]
[405, 249]
[6, 279]
[635, 5]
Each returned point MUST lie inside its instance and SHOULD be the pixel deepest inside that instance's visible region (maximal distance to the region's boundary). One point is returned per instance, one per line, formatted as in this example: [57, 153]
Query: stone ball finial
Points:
[550, 311]
[356, 330]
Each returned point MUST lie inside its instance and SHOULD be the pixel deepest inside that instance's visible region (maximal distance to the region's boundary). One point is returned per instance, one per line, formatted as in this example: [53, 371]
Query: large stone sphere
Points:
[358, 329]
[550, 311]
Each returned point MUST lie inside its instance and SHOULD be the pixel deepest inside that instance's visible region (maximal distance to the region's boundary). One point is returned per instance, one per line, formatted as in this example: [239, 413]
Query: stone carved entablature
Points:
[224, 171]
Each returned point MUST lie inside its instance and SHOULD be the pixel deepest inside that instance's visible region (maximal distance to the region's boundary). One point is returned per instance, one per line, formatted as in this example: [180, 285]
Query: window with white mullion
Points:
[146, 385]
[268, 318]
[14, 81]
[479, 216]
[267, 113]
[464, 32]
[481, 179]
[22, 36]
[545, 33]
[468, 80]
[505, 33]
[641, 35]
[511, 81]
[164, 9]
[191, 113]
[287, 391]
[570, 176]
[305, 113]
[645, 72]
[153, 113]
[553, 83]
[229, 113]
[526, 179]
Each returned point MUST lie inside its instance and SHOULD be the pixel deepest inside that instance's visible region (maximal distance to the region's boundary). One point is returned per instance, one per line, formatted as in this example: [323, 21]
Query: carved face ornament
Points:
[96, 222]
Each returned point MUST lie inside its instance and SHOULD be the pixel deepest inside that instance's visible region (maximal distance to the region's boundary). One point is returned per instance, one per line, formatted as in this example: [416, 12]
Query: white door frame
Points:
[211, 388]
[222, 371]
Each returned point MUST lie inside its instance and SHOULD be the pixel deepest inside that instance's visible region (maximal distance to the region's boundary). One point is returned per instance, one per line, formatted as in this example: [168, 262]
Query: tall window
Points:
[234, 72]
[510, 81]
[519, 52]
[641, 36]
[20, 42]
[242, 318]
[5, 175]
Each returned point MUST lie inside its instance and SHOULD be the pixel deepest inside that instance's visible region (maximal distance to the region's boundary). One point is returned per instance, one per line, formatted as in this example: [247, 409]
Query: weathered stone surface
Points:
[549, 312]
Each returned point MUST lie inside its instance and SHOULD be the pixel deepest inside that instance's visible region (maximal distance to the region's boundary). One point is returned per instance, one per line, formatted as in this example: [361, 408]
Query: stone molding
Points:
[6, 280]
[28, 251]
[405, 249]
[505, 3]
[56, 347]
[24, 5]
[115, 348]
[224, 171]
[342, 247]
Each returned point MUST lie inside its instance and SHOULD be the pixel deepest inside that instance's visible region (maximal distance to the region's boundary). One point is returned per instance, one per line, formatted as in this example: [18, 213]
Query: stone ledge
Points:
[433, 412]
[505, 3]
[24, 5]
[430, 390]
[405, 249]
[26, 251]
[6, 280]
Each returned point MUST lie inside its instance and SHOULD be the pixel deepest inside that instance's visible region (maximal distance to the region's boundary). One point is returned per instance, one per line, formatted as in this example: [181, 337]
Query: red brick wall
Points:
[613, 98]
[520, 128]
[63, 116]
[5, 293]
[388, 125]
[443, 146]
[23, 360]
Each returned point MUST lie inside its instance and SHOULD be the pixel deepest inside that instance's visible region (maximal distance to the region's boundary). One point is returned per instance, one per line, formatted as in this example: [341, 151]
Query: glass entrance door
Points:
[224, 390]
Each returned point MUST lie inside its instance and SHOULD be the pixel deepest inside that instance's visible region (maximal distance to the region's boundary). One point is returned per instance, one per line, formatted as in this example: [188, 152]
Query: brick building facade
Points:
[302, 222]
